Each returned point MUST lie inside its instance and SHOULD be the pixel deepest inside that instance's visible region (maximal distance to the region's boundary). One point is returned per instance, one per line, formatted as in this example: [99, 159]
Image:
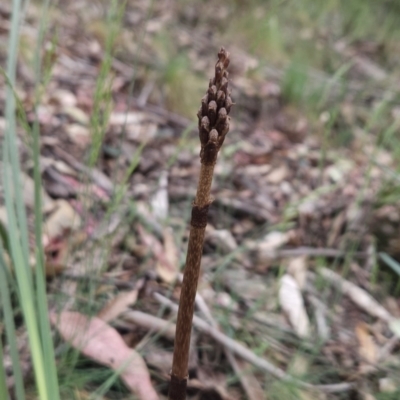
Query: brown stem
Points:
[213, 126]
[204, 186]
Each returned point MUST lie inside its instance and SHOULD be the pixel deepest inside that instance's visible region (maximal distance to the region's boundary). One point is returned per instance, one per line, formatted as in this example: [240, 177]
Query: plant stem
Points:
[213, 127]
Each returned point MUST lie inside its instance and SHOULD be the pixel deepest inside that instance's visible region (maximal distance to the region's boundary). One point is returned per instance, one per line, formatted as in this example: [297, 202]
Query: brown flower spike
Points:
[213, 127]
[214, 111]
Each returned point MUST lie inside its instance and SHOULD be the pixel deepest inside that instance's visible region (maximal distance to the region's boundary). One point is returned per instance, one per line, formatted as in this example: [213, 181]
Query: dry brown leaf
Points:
[244, 285]
[298, 269]
[253, 388]
[212, 385]
[291, 301]
[222, 238]
[160, 200]
[270, 243]
[159, 358]
[167, 260]
[278, 175]
[135, 117]
[28, 185]
[118, 305]
[53, 270]
[62, 97]
[77, 115]
[79, 134]
[102, 343]
[171, 254]
[62, 219]
[139, 126]
[367, 347]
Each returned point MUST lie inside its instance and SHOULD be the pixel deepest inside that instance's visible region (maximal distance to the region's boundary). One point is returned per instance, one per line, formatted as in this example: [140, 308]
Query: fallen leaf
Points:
[299, 365]
[135, 117]
[118, 305]
[211, 385]
[53, 270]
[144, 132]
[278, 175]
[77, 115]
[292, 123]
[171, 254]
[79, 134]
[63, 97]
[271, 242]
[252, 386]
[57, 251]
[102, 343]
[64, 218]
[359, 296]
[245, 286]
[367, 347]
[158, 358]
[159, 201]
[222, 238]
[292, 303]
[28, 192]
[63, 167]
[394, 326]
[166, 269]
[320, 314]
[387, 385]
[298, 269]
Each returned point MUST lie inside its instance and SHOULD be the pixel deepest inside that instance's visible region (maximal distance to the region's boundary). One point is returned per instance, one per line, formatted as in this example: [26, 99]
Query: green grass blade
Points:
[10, 143]
[102, 96]
[41, 298]
[16, 213]
[10, 329]
[390, 262]
[25, 288]
[3, 384]
[334, 79]
[10, 165]
[38, 329]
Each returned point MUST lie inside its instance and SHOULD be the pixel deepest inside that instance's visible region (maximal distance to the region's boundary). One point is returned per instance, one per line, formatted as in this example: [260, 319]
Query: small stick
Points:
[253, 389]
[213, 127]
[247, 355]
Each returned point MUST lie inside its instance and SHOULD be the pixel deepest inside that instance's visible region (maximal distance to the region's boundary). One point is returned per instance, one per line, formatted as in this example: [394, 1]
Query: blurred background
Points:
[99, 167]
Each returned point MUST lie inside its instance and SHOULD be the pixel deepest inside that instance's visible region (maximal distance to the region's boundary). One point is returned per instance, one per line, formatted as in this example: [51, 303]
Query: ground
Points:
[298, 295]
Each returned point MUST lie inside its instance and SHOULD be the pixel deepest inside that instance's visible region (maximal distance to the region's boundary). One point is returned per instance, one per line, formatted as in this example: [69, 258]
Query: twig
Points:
[249, 356]
[95, 174]
[316, 252]
[274, 254]
[150, 322]
[359, 296]
[119, 283]
[253, 392]
[319, 310]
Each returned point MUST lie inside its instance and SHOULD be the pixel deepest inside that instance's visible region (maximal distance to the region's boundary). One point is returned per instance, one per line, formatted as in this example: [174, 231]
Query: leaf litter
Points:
[99, 341]
[280, 197]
